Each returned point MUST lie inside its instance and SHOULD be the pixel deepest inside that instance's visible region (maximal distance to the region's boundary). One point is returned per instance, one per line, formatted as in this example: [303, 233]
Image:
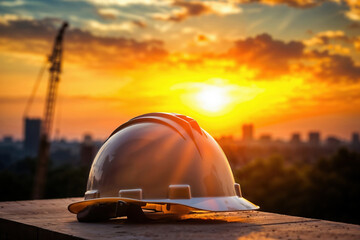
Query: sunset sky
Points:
[284, 65]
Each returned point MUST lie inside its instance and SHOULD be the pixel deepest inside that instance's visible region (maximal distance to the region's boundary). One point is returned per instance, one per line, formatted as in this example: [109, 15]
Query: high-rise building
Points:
[295, 138]
[266, 138]
[355, 140]
[333, 142]
[32, 136]
[248, 132]
[8, 140]
[314, 138]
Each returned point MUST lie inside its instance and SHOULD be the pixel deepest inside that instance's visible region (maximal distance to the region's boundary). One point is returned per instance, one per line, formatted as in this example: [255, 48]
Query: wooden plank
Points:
[49, 219]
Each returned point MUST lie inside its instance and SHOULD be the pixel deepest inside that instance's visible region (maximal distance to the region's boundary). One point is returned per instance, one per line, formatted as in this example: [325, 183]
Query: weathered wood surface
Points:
[49, 219]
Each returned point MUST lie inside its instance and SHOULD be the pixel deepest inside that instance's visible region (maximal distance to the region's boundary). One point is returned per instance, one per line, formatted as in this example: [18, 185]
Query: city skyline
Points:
[248, 132]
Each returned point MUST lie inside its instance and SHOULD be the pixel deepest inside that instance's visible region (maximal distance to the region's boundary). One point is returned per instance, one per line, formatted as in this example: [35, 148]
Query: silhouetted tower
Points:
[355, 140]
[314, 138]
[54, 79]
[333, 142]
[295, 138]
[248, 132]
[266, 138]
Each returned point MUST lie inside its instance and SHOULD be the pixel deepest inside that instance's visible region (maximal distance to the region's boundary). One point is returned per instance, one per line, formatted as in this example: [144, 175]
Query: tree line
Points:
[327, 189]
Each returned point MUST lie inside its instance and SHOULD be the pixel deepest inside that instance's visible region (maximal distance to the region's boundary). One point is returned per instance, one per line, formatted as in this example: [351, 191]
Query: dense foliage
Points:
[327, 189]
[63, 181]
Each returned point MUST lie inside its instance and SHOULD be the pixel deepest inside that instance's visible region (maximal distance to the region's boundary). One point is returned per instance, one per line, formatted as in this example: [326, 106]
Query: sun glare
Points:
[213, 98]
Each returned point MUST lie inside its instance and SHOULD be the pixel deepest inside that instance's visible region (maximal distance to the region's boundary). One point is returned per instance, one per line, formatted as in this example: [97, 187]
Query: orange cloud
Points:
[108, 13]
[333, 67]
[197, 8]
[80, 46]
[357, 43]
[113, 13]
[193, 8]
[354, 11]
[269, 58]
[291, 3]
[139, 23]
[326, 36]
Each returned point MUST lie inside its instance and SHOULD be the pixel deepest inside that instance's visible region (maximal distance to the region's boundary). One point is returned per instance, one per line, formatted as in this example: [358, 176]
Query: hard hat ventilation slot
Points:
[238, 189]
[179, 191]
[131, 193]
[92, 194]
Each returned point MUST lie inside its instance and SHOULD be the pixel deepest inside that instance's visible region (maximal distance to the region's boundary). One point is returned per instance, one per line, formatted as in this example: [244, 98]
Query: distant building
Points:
[333, 142]
[32, 136]
[225, 139]
[87, 150]
[355, 140]
[314, 138]
[295, 138]
[265, 138]
[248, 132]
[8, 140]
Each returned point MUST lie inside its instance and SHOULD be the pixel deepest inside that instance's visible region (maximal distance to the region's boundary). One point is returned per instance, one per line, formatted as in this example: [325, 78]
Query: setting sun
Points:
[213, 98]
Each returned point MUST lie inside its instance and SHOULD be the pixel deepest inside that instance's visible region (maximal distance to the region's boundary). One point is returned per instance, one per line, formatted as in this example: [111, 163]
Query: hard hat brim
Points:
[214, 204]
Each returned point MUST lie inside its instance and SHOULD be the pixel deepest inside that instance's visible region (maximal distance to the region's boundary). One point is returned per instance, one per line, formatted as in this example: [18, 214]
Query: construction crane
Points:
[44, 145]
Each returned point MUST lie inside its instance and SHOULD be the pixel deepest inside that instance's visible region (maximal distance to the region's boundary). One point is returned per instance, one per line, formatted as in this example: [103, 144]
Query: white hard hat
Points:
[164, 163]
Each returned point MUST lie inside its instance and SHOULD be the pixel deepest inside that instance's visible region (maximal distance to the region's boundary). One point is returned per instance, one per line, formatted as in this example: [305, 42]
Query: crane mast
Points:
[44, 146]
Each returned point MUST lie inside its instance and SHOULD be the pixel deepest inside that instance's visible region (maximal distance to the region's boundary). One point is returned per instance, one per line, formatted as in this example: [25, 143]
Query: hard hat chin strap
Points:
[104, 211]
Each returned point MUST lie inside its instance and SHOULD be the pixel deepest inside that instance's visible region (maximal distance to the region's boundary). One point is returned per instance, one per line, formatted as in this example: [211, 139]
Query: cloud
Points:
[271, 57]
[354, 25]
[325, 40]
[291, 3]
[202, 38]
[12, 3]
[110, 27]
[325, 37]
[354, 11]
[357, 43]
[275, 58]
[334, 67]
[197, 8]
[139, 23]
[268, 58]
[222, 7]
[81, 47]
[21, 29]
[126, 2]
[193, 8]
[188, 9]
[5, 18]
[113, 14]
[108, 13]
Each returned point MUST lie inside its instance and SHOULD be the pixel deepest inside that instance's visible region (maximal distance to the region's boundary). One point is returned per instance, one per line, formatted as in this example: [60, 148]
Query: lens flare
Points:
[213, 98]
